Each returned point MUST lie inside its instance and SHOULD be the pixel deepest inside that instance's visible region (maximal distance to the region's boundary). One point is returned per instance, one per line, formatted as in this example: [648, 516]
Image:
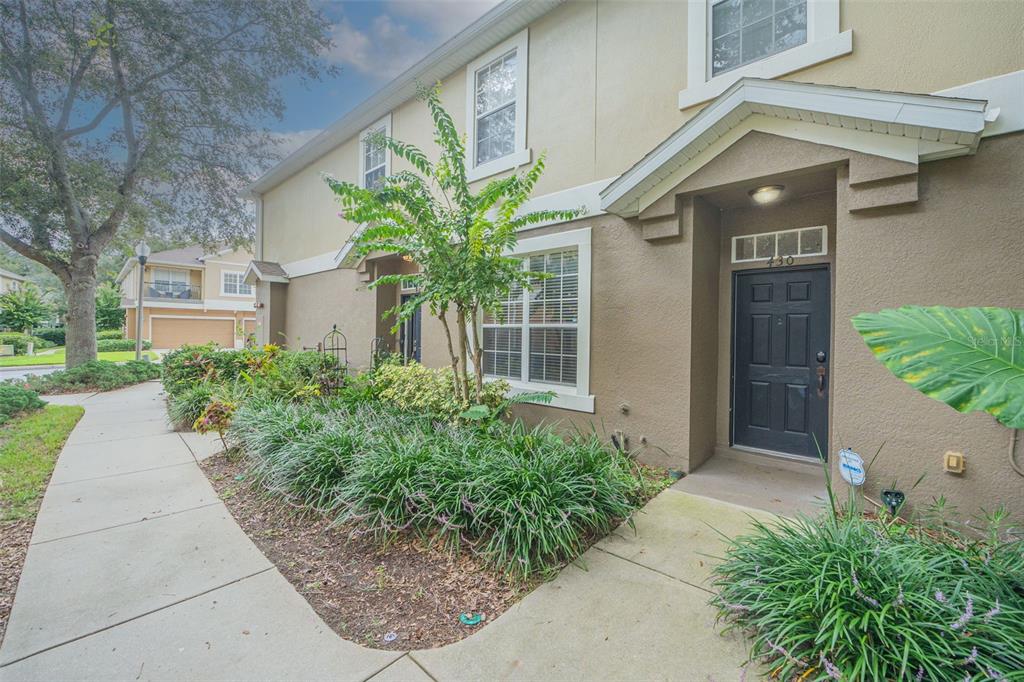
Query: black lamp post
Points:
[141, 253]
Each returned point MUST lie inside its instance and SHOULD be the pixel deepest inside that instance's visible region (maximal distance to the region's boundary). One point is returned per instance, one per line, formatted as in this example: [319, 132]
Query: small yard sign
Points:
[851, 467]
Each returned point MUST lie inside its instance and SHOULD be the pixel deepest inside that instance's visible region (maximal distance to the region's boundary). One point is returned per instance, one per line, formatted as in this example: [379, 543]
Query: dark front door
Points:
[780, 360]
[409, 334]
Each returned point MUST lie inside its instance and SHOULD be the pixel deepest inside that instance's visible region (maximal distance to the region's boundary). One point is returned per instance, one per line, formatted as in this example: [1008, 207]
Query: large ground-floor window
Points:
[539, 340]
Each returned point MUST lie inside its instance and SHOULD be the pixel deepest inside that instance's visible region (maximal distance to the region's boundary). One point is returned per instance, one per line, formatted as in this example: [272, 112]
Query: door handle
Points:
[821, 381]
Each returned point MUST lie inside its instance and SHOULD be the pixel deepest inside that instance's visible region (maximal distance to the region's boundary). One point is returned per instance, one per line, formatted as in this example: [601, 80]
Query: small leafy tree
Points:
[109, 313]
[23, 309]
[459, 239]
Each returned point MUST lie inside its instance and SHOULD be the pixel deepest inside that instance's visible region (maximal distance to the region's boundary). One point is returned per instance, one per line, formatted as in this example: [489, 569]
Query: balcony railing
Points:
[172, 290]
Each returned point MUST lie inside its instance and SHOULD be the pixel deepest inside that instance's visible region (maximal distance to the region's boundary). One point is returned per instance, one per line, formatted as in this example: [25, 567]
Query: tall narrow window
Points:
[496, 108]
[374, 163]
[745, 31]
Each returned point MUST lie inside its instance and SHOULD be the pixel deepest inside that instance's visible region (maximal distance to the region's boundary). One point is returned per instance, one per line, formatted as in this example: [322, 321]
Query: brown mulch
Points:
[14, 538]
[362, 590]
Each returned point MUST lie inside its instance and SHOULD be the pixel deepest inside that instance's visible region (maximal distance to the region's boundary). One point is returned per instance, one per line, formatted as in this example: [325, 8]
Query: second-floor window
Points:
[167, 282]
[374, 163]
[745, 31]
[235, 285]
[496, 108]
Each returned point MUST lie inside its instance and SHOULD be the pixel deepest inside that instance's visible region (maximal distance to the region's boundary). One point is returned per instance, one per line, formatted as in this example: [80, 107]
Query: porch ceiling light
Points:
[766, 194]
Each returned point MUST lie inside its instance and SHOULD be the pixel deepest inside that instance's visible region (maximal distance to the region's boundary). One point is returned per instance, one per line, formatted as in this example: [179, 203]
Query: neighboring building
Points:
[756, 173]
[190, 297]
[10, 281]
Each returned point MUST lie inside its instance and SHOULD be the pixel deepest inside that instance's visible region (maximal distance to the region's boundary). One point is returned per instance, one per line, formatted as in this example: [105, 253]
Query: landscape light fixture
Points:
[766, 194]
[142, 251]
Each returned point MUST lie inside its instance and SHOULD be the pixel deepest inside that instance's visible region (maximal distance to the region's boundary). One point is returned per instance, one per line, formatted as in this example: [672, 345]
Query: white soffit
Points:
[903, 126]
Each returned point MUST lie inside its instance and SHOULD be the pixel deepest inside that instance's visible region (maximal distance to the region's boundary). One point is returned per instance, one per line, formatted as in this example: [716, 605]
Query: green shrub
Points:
[416, 388]
[98, 375]
[870, 599]
[109, 345]
[185, 406]
[16, 399]
[188, 364]
[109, 334]
[20, 341]
[526, 500]
[54, 335]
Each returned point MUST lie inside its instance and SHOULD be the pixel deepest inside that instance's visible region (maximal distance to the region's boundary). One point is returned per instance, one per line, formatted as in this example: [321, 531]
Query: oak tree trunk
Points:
[80, 325]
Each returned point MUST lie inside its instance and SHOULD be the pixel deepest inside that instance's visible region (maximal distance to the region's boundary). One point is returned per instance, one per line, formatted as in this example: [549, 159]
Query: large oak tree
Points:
[128, 112]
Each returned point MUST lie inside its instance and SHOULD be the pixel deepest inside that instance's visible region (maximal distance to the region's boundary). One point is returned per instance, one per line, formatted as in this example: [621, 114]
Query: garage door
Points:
[173, 332]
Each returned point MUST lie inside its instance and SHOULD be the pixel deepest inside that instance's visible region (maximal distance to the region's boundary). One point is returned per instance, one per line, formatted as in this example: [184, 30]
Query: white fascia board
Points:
[1005, 97]
[310, 266]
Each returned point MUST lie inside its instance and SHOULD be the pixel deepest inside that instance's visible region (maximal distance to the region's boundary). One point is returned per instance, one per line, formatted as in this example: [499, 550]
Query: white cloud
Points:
[444, 18]
[383, 50]
[388, 46]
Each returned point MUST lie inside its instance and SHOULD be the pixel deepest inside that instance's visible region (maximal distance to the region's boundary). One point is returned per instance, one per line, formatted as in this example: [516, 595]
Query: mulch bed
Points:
[363, 591]
[14, 538]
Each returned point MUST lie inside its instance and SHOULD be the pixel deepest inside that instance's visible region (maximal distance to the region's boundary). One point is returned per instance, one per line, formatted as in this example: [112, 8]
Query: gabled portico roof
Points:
[906, 127]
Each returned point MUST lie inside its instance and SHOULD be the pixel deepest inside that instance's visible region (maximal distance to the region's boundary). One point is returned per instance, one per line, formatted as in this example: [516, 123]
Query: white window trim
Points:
[520, 155]
[385, 123]
[241, 275]
[576, 397]
[824, 42]
[757, 259]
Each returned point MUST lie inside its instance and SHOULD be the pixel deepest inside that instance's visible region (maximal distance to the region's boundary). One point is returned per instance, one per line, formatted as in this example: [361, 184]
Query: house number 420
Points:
[777, 261]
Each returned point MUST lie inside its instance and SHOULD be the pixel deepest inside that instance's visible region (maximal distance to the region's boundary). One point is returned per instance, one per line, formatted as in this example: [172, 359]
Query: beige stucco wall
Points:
[603, 85]
[316, 302]
[216, 265]
[960, 245]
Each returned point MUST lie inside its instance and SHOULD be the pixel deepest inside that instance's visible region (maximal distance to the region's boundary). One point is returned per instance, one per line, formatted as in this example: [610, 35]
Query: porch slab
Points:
[256, 624]
[94, 504]
[84, 461]
[680, 535]
[758, 481]
[578, 626]
[77, 586]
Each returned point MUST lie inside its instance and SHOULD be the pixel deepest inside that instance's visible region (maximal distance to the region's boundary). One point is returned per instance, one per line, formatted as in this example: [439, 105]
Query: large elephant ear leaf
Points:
[969, 358]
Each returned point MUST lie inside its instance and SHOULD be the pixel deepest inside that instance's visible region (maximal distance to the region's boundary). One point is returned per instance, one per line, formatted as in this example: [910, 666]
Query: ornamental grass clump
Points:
[848, 597]
[525, 500]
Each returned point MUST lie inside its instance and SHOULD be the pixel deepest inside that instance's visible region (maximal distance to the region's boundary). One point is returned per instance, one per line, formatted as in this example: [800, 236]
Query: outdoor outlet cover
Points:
[953, 462]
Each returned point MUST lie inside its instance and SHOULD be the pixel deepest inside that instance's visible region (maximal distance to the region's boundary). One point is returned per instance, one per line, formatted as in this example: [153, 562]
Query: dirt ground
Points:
[405, 596]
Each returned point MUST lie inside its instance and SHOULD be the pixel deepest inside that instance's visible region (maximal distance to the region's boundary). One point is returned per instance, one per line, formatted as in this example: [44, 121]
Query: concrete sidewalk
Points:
[137, 571]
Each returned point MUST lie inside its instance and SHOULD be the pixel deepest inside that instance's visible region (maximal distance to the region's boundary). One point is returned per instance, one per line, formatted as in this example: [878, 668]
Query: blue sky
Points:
[374, 40]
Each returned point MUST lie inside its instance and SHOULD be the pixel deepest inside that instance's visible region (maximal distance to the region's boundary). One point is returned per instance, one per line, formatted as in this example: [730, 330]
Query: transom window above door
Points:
[784, 244]
[744, 31]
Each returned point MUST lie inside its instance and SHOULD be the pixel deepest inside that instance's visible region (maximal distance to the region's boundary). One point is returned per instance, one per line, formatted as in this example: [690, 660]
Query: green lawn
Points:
[57, 358]
[29, 446]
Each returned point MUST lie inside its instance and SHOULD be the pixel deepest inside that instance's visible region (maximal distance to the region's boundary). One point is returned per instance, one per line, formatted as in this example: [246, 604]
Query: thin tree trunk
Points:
[451, 352]
[460, 319]
[80, 325]
[478, 357]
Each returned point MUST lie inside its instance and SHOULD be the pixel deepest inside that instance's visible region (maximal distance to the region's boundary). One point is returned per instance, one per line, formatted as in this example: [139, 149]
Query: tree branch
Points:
[57, 266]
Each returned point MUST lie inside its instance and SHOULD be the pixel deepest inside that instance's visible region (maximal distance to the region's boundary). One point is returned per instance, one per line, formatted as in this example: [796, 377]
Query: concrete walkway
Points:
[136, 571]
